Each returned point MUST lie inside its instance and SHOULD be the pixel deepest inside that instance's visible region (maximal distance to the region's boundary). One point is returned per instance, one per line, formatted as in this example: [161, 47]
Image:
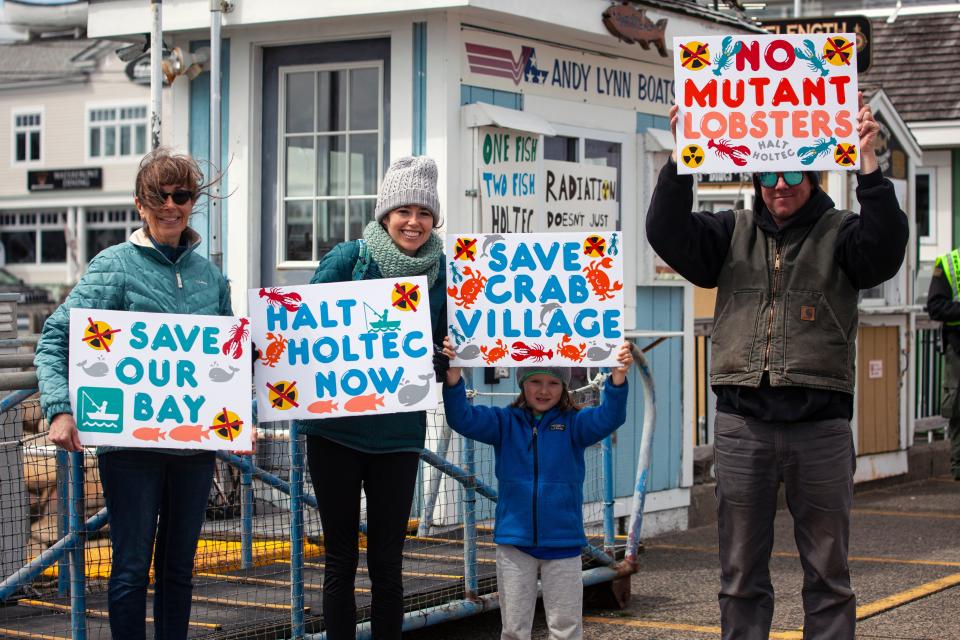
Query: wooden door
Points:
[878, 390]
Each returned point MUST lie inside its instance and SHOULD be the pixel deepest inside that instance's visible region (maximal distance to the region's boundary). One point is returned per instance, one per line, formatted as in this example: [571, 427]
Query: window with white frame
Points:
[34, 237]
[27, 136]
[106, 227]
[926, 203]
[331, 154]
[116, 131]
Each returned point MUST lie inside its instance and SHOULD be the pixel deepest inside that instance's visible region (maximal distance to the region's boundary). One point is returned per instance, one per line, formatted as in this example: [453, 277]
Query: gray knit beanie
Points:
[561, 373]
[410, 180]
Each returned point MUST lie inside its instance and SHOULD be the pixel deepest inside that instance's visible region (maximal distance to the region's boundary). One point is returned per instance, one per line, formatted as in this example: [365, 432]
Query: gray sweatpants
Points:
[815, 462]
[562, 585]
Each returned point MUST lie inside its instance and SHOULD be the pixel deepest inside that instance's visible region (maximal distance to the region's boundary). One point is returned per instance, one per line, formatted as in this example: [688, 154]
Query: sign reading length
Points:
[343, 349]
[158, 380]
[526, 299]
[766, 103]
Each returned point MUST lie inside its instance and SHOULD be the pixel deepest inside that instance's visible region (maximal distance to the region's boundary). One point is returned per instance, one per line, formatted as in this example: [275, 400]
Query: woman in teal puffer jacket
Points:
[150, 494]
[378, 453]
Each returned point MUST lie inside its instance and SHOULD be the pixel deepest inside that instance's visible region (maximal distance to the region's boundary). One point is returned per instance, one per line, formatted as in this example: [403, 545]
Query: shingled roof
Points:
[915, 62]
[48, 61]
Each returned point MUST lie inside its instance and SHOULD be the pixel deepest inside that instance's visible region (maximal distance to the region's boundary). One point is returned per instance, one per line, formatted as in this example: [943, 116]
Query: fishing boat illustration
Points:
[97, 414]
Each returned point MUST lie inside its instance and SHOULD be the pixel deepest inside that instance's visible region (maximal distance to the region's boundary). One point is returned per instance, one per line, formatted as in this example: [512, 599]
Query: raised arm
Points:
[695, 244]
[871, 246]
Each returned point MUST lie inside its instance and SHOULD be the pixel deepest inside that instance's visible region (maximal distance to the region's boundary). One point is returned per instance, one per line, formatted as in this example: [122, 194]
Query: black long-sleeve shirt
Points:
[870, 249]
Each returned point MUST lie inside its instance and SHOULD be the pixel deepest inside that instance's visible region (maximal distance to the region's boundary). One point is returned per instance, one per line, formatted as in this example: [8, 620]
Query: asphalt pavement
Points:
[904, 559]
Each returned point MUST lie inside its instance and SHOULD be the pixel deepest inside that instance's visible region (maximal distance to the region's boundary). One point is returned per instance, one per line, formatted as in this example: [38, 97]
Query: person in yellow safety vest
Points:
[943, 304]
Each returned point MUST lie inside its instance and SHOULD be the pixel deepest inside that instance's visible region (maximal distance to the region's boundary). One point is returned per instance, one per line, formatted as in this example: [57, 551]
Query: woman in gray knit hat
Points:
[378, 453]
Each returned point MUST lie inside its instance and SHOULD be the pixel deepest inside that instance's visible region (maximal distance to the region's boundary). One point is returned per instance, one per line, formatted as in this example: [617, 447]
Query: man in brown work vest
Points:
[788, 275]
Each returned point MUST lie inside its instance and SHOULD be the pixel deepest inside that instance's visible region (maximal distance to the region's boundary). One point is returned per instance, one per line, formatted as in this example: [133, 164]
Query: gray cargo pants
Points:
[815, 462]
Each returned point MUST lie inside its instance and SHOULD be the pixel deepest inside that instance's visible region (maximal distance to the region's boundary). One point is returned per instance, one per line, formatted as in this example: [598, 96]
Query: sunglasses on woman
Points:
[769, 179]
[180, 196]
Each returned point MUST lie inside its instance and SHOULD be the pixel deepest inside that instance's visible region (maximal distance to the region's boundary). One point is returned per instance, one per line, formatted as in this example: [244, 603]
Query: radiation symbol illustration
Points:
[845, 154]
[227, 425]
[594, 246]
[405, 296]
[282, 395]
[606, 190]
[694, 55]
[98, 335]
[692, 156]
[838, 51]
[466, 249]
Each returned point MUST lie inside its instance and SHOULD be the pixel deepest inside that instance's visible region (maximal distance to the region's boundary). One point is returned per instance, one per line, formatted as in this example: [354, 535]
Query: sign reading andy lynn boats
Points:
[343, 349]
[523, 299]
[766, 103]
[157, 380]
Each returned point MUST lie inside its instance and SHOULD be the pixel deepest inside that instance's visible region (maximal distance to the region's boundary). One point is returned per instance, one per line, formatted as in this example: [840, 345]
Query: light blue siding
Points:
[647, 121]
[658, 309]
[200, 143]
[419, 88]
[470, 94]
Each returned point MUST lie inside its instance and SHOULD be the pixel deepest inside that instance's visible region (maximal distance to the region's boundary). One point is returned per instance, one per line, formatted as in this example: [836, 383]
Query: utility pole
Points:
[156, 81]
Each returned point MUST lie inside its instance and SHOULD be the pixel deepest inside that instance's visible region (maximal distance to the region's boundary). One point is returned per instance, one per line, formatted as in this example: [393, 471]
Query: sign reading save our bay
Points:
[523, 299]
[156, 380]
[343, 349]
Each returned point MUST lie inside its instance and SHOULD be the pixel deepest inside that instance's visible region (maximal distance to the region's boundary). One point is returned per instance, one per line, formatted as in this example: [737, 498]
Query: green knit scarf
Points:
[394, 263]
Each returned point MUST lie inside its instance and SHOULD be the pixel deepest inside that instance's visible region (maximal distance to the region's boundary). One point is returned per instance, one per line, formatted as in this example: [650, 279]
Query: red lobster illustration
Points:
[733, 152]
[535, 352]
[277, 298]
[237, 334]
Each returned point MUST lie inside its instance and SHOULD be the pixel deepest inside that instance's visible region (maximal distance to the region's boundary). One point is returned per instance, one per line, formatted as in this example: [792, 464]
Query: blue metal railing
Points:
[68, 551]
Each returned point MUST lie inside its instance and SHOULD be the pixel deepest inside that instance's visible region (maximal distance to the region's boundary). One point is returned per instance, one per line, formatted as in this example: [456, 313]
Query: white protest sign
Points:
[766, 102]
[524, 299]
[510, 196]
[343, 349]
[581, 197]
[160, 381]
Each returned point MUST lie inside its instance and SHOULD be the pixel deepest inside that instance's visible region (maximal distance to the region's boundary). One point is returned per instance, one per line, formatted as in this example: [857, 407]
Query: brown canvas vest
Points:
[786, 308]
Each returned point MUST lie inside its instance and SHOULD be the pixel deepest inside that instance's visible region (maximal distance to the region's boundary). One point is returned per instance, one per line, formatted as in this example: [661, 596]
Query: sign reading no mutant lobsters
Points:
[524, 299]
[157, 380]
[766, 103]
[343, 349]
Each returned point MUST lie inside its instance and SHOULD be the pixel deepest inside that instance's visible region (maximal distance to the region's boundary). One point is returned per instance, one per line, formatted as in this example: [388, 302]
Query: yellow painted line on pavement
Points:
[935, 515]
[448, 541]
[689, 628]
[898, 599]
[99, 613]
[13, 633]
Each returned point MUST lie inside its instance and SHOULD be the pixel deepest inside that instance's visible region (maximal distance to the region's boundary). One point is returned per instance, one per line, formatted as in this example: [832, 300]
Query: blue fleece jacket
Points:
[539, 471]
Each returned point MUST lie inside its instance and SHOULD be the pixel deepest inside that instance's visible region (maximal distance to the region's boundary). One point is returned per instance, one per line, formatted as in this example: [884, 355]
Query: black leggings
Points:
[388, 480]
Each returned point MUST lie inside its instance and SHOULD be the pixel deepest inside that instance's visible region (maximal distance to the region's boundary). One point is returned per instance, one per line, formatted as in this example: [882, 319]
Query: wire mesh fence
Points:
[244, 586]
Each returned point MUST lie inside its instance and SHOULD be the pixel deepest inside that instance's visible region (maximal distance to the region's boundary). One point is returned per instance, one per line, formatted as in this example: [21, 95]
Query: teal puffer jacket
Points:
[385, 433]
[131, 276]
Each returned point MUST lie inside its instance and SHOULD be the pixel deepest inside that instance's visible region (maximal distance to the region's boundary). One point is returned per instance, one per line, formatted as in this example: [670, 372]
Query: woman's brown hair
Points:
[565, 403]
[163, 166]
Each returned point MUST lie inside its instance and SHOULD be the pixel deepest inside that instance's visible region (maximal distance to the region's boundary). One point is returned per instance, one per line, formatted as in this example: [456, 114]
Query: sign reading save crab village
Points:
[766, 103]
[157, 380]
[524, 299]
[343, 349]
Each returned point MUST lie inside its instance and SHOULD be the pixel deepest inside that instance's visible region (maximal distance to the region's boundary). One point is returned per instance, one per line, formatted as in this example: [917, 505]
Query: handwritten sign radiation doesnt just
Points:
[524, 299]
[343, 349]
[157, 380]
[766, 103]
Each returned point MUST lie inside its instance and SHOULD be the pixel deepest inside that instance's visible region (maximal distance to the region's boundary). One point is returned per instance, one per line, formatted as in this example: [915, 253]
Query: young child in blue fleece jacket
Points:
[539, 442]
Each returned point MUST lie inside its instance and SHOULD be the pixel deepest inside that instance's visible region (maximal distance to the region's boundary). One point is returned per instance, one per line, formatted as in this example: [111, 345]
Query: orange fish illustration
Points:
[151, 434]
[190, 433]
[323, 406]
[368, 402]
